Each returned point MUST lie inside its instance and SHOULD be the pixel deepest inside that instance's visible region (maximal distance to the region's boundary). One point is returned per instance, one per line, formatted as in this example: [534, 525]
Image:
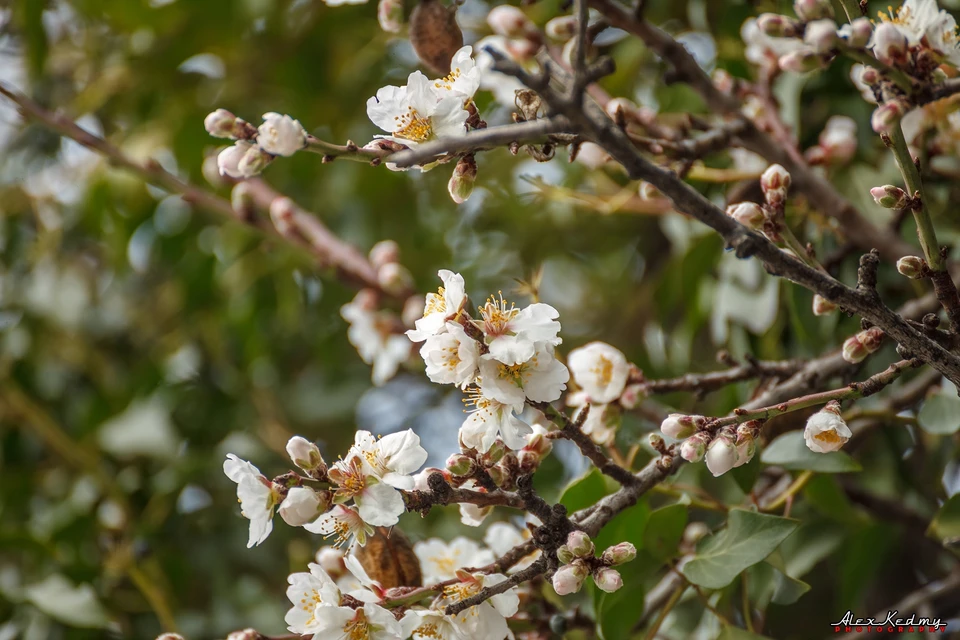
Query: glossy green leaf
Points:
[664, 530]
[790, 452]
[584, 491]
[940, 413]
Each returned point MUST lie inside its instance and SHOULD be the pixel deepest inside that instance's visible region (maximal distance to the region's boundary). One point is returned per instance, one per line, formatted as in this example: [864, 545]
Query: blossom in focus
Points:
[490, 418]
[826, 430]
[281, 135]
[258, 497]
[721, 455]
[394, 458]
[511, 333]
[923, 23]
[464, 77]
[439, 560]
[416, 113]
[344, 524]
[600, 370]
[451, 357]
[303, 505]
[542, 378]
[487, 619]
[308, 590]
[444, 305]
[369, 622]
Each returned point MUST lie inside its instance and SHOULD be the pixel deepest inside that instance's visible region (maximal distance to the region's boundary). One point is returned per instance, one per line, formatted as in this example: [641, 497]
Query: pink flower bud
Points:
[619, 554]
[608, 579]
[775, 180]
[220, 124]
[777, 26]
[870, 76]
[464, 177]
[857, 34]
[569, 578]
[510, 22]
[461, 465]
[821, 35]
[561, 28]
[890, 44]
[390, 15]
[858, 347]
[580, 544]
[695, 447]
[721, 455]
[822, 306]
[800, 61]
[889, 196]
[679, 425]
[304, 453]
[749, 214]
[303, 505]
[808, 10]
[913, 267]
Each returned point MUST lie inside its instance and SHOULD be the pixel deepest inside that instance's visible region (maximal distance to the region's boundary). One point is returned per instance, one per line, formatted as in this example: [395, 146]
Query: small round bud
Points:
[464, 177]
[721, 455]
[633, 395]
[561, 28]
[564, 555]
[220, 124]
[461, 465]
[777, 26]
[499, 475]
[655, 440]
[228, 161]
[775, 183]
[254, 161]
[510, 22]
[569, 578]
[858, 347]
[331, 560]
[608, 579]
[889, 196]
[857, 34]
[494, 454]
[529, 461]
[890, 44]
[384, 252]
[869, 76]
[826, 430]
[304, 453]
[619, 554]
[390, 15]
[303, 505]
[821, 35]
[679, 426]
[912, 267]
[800, 61]
[695, 447]
[808, 10]
[580, 544]
[822, 306]
[749, 214]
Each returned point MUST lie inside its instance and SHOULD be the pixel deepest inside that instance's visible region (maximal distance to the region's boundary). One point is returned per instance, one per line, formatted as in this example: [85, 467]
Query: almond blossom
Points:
[344, 524]
[487, 619]
[452, 357]
[541, 378]
[490, 418]
[432, 624]
[306, 592]
[369, 622]
[281, 135]
[441, 306]
[464, 77]
[378, 503]
[417, 112]
[258, 497]
[439, 560]
[511, 333]
[392, 458]
[600, 370]
[924, 23]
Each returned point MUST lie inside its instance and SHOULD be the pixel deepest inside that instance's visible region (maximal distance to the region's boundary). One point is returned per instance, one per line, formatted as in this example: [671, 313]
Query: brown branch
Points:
[329, 250]
[442, 493]
[705, 382]
[537, 568]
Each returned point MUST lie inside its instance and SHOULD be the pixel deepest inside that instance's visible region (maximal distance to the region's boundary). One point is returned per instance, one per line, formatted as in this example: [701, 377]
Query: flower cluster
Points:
[579, 561]
[503, 359]
[255, 148]
[608, 383]
[723, 448]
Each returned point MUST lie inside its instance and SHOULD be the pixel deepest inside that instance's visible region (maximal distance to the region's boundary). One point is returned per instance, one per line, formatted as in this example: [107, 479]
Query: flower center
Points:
[349, 477]
[358, 628]
[604, 371]
[475, 398]
[448, 82]
[829, 437]
[410, 126]
[435, 303]
[461, 590]
[428, 630]
[497, 315]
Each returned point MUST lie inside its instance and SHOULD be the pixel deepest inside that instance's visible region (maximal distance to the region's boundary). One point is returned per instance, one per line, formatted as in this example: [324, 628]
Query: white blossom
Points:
[452, 357]
[439, 560]
[258, 496]
[487, 619]
[418, 112]
[490, 418]
[281, 135]
[599, 369]
[228, 161]
[464, 77]
[923, 23]
[444, 305]
[344, 524]
[721, 456]
[542, 378]
[370, 622]
[301, 506]
[306, 592]
[392, 458]
[512, 333]
[431, 624]
[826, 431]
[378, 503]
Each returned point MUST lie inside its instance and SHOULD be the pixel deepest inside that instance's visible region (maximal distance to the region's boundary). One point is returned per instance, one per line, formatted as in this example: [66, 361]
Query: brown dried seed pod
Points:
[435, 34]
[389, 559]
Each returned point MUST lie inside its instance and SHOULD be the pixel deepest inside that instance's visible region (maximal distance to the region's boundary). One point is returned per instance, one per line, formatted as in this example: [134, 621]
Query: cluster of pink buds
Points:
[499, 462]
[254, 147]
[522, 37]
[579, 561]
[858, 347]
[729, 448]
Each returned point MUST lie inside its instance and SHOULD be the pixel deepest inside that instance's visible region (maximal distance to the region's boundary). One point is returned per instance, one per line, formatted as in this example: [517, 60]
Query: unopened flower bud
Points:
[303, 505]
[510, 22]
[808, 10]
[228, 161]
[390, 15]
[890, 44]
[912, 267]
[494, 454]
[721, 455]
[777, 26]
[655, 440]
[539, 444]
[746, 448]
[775, 182]
[394, 278]
[564, 555]
[330, 560]
[461, 465]
[826, 430]
[608, 579]
[254, 161]
[889, 196]
[695, 447]
[679, 425]
[220, 124]
[384, 252]
[857, 34]
[619, 554]
[561, 28]
[282, 211]
[822, 306]
[569, 578]
[304, 453]
[464, 177]
[800, 61]
[749, 214]
[633, 395]
[821, 35]
[528, 460]
[281, 135]
[579, 544]
[869, 76]
[859, 346]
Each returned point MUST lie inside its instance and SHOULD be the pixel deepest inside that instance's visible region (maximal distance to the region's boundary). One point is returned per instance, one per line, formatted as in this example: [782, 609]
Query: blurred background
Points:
[141, 339]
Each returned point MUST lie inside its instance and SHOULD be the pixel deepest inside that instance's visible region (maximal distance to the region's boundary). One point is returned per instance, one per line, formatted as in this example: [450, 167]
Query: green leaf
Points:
[76, 606]
[824, 494]
[810, 544]
[946, 524]
[736, 633]
[664, 530]
[617, 613]
[749, 538]
[786, 588]
[584, 491]
[940, 413]
[790, 452]
[862, 556]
